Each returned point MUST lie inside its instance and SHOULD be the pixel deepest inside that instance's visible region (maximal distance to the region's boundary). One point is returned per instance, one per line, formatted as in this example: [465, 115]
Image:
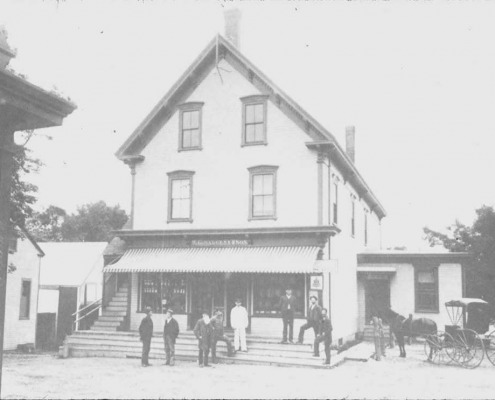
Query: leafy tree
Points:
[23, 194]
[479, 241]
[46, 226]
[93, 223]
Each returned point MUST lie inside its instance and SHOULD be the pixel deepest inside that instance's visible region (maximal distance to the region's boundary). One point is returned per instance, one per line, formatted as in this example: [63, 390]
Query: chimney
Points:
[350, 138]
[232, 26]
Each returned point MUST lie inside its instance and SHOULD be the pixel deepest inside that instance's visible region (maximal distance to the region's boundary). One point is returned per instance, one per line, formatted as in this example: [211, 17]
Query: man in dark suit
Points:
[287, 306]
[170, 333]
[218, 335]
[313, 319]
[324, 336]
[146, 333]
[203, 333]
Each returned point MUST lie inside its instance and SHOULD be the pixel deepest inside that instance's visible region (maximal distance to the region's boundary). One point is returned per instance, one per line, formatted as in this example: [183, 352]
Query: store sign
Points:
[316, 282]
[220, 242]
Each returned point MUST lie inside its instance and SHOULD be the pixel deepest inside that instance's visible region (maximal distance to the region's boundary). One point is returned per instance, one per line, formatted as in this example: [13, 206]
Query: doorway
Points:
[207, 294]
[377, 297]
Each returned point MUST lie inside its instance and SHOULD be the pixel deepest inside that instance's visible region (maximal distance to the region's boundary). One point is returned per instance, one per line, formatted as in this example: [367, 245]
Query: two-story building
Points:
[238, 192]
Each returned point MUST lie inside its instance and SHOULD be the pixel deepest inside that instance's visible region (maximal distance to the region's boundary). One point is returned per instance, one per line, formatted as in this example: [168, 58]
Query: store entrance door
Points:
[237, 286]
[207, 294]
[377, 298]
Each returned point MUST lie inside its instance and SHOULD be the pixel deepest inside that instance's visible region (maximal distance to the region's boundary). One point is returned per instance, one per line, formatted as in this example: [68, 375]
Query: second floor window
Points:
[190, 126]
[254, 120]
[262, 192]
[180, 196]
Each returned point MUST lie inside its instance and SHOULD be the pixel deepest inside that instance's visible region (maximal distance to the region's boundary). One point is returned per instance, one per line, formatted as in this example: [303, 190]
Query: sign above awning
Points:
[288, 259]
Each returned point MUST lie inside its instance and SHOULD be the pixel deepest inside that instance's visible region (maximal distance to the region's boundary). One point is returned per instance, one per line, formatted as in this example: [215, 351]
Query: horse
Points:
[402, 327]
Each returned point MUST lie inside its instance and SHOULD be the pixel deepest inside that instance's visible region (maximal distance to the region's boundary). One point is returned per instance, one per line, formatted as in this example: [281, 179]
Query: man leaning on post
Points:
[146, 333]
[170, 333]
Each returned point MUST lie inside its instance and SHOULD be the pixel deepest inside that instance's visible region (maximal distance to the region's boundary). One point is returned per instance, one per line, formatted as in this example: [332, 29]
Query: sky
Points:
[416, 79]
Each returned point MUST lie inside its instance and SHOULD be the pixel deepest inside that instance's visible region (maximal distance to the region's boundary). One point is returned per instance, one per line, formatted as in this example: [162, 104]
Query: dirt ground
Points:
[46, 376]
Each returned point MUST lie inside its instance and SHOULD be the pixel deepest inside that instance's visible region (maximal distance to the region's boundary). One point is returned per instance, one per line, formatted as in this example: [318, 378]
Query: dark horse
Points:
[402, 327]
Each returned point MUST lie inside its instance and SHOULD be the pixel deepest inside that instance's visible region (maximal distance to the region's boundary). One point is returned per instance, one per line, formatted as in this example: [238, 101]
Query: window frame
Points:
[335, 205]
[180, 175]
[28, 312]
[418, 290]
[189, 107]
[263, 170]
[254, 100]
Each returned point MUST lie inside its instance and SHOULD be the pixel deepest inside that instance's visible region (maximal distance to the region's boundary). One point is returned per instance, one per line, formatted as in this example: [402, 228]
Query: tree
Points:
[479, 241]
[93, 223]
[23, 194]
[46, 226]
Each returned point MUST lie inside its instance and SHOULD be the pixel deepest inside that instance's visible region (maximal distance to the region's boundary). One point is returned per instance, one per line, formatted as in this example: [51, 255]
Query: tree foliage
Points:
[90, 223]
[479, 241]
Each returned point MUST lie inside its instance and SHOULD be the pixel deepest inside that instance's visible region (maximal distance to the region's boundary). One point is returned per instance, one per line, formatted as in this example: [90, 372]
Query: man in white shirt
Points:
[239, 321]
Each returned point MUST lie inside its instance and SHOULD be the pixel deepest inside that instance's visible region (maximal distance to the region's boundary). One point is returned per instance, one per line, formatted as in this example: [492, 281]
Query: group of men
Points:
[209, 331]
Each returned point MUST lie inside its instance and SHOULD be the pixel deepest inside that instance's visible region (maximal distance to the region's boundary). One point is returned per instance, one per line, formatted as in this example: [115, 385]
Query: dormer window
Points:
[190, 116]
[254, 120]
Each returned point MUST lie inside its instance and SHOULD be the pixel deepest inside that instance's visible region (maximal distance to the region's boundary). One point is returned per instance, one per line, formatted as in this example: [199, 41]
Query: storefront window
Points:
[163, 291]
[268, 289]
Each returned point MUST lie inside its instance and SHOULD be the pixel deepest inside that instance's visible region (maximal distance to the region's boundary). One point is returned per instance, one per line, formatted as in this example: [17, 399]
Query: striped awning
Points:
[291, 259]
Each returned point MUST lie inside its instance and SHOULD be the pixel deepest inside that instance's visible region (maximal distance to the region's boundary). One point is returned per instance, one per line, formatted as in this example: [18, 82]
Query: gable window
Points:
[180, 196]
[190, 126]
[262, 192]
[426, 290]
[353, 216]
[254, 120]
[25, 299]
[335, 208]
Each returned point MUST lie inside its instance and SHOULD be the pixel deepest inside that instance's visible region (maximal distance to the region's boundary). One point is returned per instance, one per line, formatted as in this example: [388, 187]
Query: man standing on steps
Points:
[239, 321]
[313, 320]
[203, 333]
[170, 333]
[286, 305]
[146, 333]
[324, 336]
[218, 334]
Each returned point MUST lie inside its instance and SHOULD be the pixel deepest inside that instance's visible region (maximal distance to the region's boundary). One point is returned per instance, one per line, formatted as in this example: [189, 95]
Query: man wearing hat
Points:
[287, 305]
[313, 319]
[203, 333]
[170, 333]
[146, 333]
[239, 321]
[219, 336]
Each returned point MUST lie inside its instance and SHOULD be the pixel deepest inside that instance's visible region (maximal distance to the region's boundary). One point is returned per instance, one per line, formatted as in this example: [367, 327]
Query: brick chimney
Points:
[350, 138]
[232, 26]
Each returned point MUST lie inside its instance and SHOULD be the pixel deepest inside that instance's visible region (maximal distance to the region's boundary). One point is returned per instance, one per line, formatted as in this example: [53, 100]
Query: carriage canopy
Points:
[468, 313]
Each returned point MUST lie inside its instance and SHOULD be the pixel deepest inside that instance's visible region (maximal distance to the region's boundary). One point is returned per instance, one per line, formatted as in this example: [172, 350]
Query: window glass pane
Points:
[267, 205]
[180, 188]
[180, 208]
[250, 133]
[150, 291]
[194, 138]
[186, 120]
[257, 184]
[173, 292]
[258, 113]
[268, 184]
[268, 289]
[250, 113]
[194, 119]
[186, 138]
[258, 133]
[258, 206]
[426, 277]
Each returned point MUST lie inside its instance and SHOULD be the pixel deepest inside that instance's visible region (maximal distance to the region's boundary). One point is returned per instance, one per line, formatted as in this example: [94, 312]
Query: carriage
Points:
[466, 341]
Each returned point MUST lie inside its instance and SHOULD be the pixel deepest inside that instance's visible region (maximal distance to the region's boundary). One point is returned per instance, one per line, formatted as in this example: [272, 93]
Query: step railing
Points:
[78, 317]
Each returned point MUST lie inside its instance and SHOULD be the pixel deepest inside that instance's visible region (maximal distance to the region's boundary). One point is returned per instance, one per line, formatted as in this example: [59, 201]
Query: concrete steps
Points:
[261, 350]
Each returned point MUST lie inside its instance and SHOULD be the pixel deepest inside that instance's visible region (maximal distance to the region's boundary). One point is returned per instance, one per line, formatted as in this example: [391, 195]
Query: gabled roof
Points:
[219, 48]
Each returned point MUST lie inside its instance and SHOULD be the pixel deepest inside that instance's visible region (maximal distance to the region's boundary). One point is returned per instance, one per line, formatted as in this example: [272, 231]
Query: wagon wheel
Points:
[469, 348]
[436, 347]
[490, 347]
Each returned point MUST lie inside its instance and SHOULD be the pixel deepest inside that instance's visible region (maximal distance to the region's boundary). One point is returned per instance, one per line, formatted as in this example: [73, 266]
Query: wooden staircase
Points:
[114, 313]
[261, 350]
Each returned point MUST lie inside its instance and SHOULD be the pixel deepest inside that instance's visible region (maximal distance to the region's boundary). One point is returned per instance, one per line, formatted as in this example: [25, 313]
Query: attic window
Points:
[254, 120]
[190, 117]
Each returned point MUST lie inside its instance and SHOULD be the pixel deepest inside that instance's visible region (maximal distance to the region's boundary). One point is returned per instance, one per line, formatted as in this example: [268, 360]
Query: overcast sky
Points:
[417, 79]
